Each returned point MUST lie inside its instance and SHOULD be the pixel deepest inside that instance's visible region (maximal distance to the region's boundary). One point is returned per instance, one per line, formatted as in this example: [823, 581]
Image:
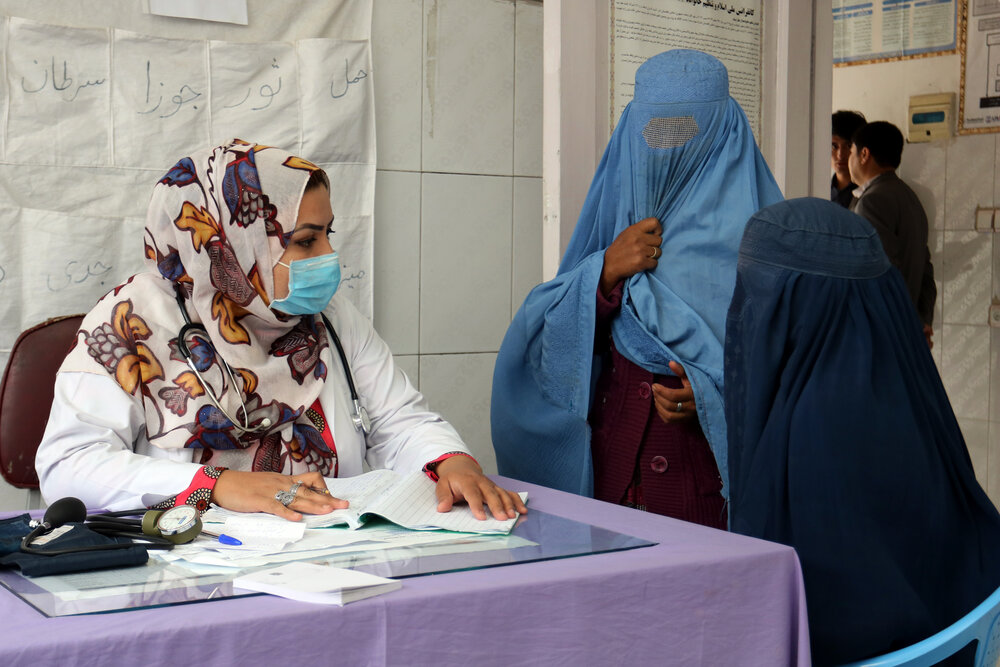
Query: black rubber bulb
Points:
[65, 510]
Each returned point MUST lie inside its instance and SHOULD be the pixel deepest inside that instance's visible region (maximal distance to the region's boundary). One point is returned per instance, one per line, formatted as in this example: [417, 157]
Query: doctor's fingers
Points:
[515, 500]
[311, 502]
[500, 505]
[306, 502]
[312, 496]
[313, 480]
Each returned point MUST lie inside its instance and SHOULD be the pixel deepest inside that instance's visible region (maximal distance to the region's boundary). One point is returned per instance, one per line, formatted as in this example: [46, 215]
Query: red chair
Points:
[26, 395]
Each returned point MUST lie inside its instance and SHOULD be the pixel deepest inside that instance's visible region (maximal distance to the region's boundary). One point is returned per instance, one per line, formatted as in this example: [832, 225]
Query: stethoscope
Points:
[359, 415]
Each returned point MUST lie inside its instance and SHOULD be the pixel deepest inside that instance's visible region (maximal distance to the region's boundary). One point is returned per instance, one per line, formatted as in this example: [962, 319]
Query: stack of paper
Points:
[321, 584]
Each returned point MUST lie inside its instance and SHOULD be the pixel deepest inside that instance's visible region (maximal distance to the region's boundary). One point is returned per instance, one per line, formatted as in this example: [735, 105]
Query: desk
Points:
[699, 597]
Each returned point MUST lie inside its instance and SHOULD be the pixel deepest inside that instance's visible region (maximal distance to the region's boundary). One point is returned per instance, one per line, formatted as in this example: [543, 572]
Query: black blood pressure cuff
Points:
[13, 530]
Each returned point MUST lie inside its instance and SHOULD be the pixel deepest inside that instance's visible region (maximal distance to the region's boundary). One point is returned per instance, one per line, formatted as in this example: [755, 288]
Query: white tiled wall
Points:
[465, 268]
[952, 178]
[458, 195]
[397, 259]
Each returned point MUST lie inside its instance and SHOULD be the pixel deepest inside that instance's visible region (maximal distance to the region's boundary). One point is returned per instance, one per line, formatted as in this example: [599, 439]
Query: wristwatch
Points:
[179, 524]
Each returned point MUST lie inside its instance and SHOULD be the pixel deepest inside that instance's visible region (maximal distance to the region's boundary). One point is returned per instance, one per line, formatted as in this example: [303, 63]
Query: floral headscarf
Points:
[217, 223]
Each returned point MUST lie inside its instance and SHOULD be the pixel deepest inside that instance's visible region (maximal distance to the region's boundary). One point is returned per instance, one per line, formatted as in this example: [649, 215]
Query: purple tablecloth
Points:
[699, 597]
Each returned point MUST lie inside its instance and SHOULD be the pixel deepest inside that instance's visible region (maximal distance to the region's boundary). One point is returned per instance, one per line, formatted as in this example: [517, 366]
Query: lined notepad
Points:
[409, 501]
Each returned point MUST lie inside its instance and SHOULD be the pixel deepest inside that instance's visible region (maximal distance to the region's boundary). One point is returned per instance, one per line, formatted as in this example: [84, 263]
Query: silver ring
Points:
[680, 406]
[286, 498]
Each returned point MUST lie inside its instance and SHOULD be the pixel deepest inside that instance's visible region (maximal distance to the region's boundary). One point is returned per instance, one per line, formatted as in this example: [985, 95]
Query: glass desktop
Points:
[537, 536]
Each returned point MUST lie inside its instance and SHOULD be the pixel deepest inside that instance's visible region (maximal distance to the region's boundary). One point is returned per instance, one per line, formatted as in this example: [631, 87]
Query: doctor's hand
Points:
[636, 249]
[255, 492]
[460, 478]
[675, 404]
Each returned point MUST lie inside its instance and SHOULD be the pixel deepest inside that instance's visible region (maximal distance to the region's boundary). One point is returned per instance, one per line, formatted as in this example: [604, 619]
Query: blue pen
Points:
[231, 541]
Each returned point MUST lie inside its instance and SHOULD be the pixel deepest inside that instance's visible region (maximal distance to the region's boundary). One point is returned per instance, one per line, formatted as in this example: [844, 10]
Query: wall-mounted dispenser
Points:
[931, 117]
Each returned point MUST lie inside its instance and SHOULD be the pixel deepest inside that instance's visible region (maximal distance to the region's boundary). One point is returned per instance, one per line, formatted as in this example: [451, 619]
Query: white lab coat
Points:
[95, 445]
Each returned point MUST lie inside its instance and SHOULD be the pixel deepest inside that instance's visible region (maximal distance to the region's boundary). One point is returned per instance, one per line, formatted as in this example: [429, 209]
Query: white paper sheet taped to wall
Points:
[91, 118]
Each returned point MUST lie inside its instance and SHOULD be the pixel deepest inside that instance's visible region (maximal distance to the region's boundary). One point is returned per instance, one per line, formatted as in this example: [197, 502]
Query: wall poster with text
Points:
[730, 31]
[867, 31]
[979, 98]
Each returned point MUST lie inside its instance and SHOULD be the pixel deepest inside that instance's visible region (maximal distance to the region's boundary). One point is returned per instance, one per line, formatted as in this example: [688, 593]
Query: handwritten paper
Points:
[353, 246]
[171, 96]
[161, 93]
[58, 81]
[255, 91]
[342, 89]
[91, 118]
[81, 260]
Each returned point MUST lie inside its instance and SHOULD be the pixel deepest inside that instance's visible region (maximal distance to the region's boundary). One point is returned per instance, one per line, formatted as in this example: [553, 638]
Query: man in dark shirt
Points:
[845, 124]
[894, 211]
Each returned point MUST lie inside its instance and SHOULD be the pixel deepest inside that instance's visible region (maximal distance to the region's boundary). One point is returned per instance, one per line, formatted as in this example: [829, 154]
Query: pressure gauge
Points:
[179, 524]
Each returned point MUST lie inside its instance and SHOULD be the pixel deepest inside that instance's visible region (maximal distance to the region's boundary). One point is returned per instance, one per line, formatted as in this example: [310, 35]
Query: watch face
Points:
[177, 519]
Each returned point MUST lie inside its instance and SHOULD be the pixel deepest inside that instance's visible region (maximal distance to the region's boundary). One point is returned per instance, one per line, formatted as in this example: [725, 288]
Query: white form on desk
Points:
[331, 542]
[320, 584]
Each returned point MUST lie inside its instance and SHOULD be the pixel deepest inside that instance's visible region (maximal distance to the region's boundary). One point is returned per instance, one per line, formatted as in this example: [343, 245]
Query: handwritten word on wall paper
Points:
[55, 263]
[117, 98]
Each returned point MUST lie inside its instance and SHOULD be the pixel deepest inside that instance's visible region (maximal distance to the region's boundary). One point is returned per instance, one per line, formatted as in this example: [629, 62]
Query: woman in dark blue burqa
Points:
[842, 442]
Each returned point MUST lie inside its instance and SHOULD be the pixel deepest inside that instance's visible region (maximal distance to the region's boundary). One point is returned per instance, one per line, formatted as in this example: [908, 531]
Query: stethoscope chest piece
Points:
[359, 416]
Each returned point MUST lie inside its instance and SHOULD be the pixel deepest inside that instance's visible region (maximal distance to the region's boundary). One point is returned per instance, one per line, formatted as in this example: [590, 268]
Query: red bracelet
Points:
[430, 467]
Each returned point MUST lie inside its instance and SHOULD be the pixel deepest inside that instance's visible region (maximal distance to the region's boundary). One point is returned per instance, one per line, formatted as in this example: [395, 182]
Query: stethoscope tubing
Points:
[359, 416]
[358, 413]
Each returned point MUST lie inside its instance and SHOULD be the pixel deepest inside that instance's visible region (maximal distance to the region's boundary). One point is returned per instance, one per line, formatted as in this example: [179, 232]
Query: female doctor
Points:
[211, 376]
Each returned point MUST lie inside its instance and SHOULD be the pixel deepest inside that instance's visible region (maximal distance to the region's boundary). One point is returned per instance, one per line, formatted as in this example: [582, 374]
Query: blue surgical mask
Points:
[311, 284]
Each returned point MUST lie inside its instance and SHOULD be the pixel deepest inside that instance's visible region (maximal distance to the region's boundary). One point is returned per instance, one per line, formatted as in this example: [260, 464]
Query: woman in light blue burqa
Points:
[609, 380]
